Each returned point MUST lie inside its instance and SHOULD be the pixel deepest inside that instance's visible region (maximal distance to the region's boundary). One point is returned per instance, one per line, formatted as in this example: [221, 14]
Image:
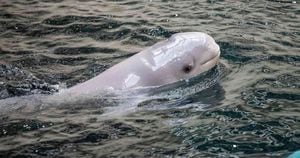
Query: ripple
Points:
[252, 111]
[82, 50]
[19, 126]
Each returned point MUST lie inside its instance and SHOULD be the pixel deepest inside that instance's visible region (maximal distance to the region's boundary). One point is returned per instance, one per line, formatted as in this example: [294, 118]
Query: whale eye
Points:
[187, 68]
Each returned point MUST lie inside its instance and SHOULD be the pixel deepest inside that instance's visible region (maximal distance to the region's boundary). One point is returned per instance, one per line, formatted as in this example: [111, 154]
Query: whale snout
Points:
[208, 52]
[214, 49]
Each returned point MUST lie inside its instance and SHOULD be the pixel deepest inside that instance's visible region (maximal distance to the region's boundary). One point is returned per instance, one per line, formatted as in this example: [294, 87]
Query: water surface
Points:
[252, 111]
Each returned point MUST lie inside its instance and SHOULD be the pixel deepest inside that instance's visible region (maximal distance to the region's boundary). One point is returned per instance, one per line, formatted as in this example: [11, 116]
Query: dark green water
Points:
[253, 110]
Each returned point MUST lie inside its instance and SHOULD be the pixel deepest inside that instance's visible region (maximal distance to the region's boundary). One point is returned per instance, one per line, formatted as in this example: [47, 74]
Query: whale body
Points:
[182, 56]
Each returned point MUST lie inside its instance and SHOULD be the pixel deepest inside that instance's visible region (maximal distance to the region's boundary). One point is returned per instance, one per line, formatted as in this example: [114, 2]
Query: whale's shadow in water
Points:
[197, 94]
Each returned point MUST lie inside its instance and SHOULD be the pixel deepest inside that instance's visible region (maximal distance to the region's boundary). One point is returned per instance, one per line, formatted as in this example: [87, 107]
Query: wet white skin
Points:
[182, 56]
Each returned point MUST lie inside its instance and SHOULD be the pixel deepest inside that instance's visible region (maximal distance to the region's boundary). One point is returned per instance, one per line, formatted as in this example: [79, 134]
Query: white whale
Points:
[181, 57]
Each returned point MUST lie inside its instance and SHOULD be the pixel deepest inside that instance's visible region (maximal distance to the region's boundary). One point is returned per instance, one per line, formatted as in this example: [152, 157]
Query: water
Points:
[253, 110]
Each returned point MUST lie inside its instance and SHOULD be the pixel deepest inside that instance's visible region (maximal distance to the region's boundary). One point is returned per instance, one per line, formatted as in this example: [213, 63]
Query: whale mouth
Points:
[215, 49]
[215, 56]
[207, 65]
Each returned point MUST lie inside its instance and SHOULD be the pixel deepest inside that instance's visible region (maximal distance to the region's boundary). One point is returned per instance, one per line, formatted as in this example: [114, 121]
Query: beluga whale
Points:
[182, 56]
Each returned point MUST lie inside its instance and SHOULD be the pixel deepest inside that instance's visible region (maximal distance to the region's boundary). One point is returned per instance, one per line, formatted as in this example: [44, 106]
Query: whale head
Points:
[200, 53]
[183, 56]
